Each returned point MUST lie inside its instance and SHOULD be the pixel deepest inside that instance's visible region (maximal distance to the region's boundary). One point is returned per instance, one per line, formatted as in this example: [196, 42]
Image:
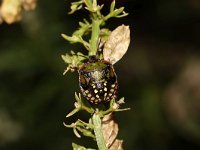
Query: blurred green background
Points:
[159, 77]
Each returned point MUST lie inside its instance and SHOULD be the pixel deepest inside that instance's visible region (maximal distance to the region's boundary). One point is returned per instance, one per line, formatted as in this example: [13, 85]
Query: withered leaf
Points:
[110, 131]
[117, 44]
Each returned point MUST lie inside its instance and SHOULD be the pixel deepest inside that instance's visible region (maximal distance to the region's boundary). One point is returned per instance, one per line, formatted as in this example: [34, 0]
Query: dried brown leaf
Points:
[117, 44]
[110, 131]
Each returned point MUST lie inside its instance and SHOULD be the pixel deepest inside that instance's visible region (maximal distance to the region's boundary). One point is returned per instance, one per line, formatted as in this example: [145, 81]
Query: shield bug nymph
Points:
[97, 77]
[98, 81]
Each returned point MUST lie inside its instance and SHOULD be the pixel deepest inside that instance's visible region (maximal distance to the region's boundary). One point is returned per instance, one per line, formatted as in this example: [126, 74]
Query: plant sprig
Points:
[93, 127]
[93, 26]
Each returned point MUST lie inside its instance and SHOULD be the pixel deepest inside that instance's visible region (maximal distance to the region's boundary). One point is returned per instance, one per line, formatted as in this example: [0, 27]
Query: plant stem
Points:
[98, 131]
[94, 37]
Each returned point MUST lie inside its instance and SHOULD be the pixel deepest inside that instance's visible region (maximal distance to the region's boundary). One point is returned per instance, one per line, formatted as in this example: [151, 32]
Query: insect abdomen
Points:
[99, 86]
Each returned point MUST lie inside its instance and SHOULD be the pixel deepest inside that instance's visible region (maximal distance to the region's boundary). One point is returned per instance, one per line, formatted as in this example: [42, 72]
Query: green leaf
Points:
[112, 6]
[76, 6]
[86, 132]
[76, 133]
[78, 147]
[72, 112]
[67, 59]
[88, 4]
[122, 15]
[78, 98]
[118, 11]
[72, 39]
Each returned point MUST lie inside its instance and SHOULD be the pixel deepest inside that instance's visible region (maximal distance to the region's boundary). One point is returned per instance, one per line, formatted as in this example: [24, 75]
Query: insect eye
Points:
[111, 73]
[82, 79]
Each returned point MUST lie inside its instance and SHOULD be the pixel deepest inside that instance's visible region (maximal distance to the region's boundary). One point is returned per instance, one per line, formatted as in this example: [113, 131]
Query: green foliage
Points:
[93, 27]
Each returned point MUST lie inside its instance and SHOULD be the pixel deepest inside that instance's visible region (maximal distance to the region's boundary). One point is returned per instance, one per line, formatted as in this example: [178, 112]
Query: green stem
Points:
[88, 109]
[94, 37]
[98, 131]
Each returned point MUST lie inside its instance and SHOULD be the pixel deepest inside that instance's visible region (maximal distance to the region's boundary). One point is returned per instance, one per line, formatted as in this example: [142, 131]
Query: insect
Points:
[97, 77]
[98, 81]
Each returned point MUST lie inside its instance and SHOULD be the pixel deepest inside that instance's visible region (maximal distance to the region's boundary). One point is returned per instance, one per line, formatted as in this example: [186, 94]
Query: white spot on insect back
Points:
[111, 90]
[105, 89]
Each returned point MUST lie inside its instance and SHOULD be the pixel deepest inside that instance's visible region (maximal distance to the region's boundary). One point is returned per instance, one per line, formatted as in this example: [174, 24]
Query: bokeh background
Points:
[159, 77]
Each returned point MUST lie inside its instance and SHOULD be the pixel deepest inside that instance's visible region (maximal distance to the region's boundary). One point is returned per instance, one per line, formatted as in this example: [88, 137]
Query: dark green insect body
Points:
[98, 81]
